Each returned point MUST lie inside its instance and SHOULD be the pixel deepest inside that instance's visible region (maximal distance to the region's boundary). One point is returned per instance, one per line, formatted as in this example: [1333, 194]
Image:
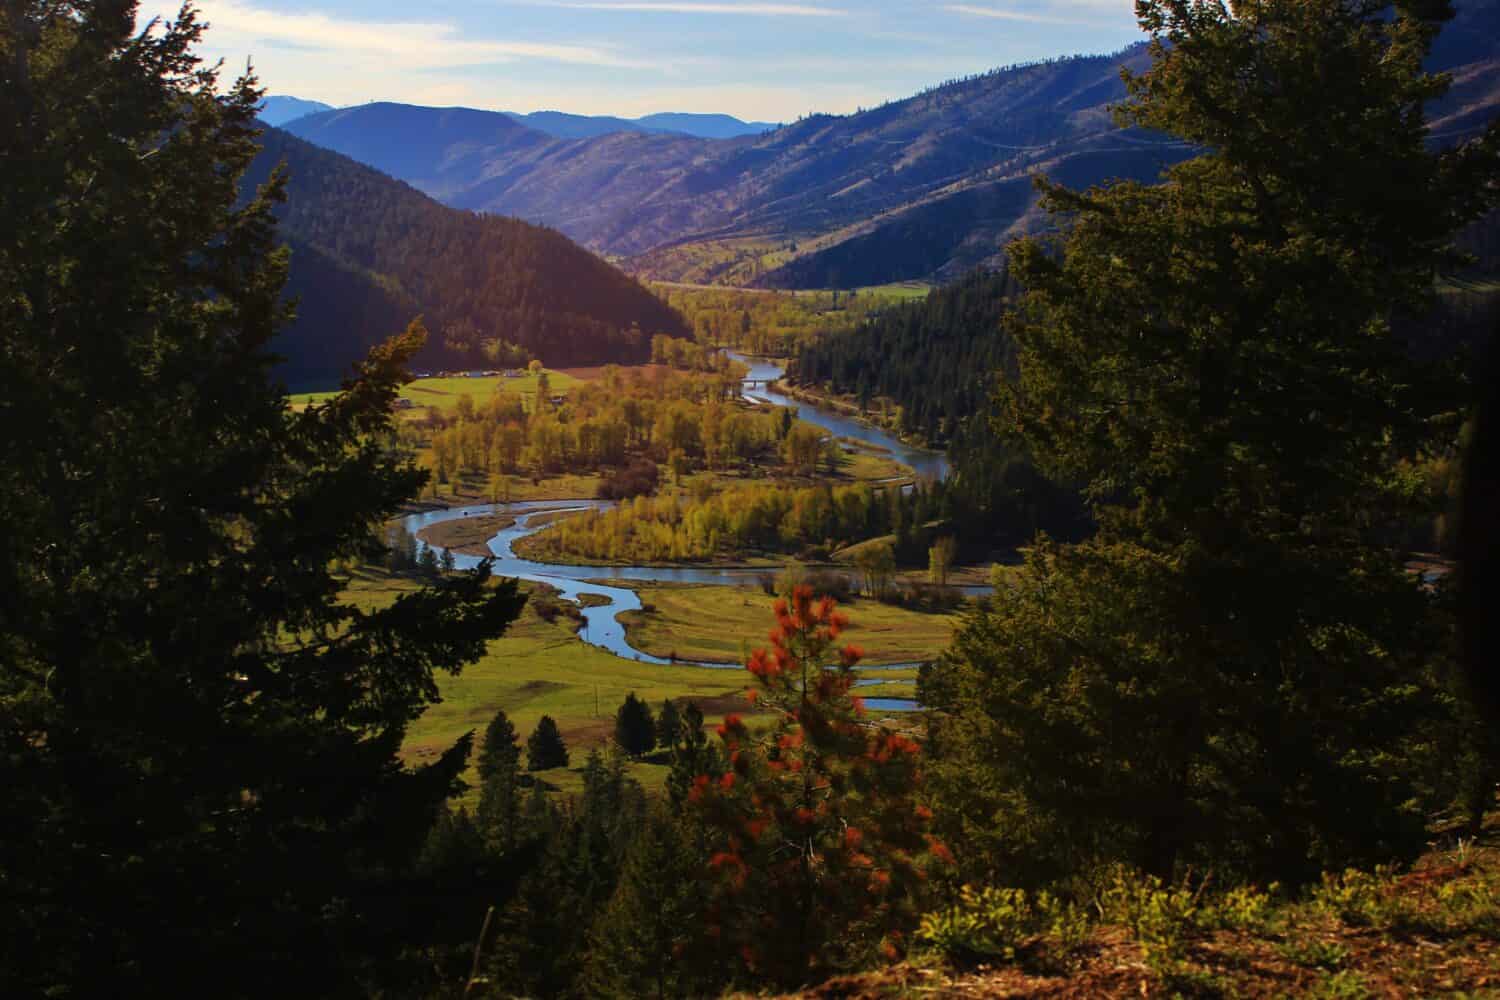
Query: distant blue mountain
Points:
[705, 126]
[280, 110]
[562, 125]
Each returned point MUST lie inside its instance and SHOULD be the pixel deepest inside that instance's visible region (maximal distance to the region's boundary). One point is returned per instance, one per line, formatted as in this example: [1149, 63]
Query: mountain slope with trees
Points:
[924, 188]
[371, 252]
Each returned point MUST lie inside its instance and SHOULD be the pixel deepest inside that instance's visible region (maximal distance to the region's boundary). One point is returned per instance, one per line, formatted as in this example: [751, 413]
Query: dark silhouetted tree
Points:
[635, 729]
[641, 944]
[668, 725]
[1237, 673]
[501, 748]
[200, 735]
[546, 749]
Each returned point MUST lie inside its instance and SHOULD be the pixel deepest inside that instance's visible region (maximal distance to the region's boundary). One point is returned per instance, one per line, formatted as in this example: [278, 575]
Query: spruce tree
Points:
[498, 818]
[200, 735]
[1237, 672]
[668, 725]
[820, 851]
[501, 748]
[642, 943]
[635, 729]
[692, 755]
[546, 749]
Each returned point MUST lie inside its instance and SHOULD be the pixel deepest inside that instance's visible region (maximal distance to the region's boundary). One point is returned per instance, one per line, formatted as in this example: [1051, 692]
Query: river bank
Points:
[466, 536]
[847, 406]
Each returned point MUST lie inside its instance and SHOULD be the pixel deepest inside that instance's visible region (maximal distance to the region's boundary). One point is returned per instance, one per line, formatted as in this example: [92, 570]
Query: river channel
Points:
[602, 626]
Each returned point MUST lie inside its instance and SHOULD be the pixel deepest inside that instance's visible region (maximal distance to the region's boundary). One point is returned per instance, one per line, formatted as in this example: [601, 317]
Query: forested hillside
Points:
[935, 359]
[928, 187]
[768, 199]
[371, 252]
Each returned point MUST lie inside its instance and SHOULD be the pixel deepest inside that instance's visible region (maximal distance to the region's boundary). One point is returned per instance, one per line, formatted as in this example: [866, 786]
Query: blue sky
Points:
[770, 61]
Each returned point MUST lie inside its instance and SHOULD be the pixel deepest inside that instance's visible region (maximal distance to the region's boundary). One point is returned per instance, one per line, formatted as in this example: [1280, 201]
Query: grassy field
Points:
[725, 623]
[899, 291]
[540, 668]
[444, 393]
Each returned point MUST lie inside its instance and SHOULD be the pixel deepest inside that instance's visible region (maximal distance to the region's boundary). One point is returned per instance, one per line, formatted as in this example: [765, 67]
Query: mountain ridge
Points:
[370, 252]
[926, 187]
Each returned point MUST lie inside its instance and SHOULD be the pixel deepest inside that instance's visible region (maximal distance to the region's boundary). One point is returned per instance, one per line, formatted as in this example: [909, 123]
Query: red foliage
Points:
[835, 845]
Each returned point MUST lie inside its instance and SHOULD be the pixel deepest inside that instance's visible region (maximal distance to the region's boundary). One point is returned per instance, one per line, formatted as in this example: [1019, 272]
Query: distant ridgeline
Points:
[370, 253]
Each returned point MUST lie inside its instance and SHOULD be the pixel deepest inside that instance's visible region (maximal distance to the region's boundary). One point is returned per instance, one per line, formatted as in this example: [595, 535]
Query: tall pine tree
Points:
[1237, 671]
[200, 737]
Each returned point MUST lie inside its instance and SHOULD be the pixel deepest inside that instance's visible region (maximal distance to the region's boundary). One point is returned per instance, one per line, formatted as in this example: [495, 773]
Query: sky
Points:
[760, 61]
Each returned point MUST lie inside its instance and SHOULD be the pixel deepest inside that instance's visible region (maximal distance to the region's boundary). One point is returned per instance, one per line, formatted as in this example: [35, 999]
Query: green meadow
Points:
[723, 624]
[443, 393]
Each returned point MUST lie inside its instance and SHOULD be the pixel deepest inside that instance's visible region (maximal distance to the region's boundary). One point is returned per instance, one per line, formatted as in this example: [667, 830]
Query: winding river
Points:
[602, 626]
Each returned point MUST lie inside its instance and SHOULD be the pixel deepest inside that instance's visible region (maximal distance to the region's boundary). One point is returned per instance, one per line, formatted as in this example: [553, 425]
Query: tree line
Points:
[686, 420]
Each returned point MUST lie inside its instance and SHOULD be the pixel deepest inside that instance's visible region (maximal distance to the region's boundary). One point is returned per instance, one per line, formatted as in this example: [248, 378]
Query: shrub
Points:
[998, 923]
[640, 478]
[1362, 899]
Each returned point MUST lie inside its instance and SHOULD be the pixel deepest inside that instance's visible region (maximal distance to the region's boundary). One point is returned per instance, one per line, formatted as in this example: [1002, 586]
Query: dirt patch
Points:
[468, 536]
[534, 688]
[722, 704]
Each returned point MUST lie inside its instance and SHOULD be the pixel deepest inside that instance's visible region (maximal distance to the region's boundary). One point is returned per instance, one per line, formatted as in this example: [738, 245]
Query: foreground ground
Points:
[1431, 931]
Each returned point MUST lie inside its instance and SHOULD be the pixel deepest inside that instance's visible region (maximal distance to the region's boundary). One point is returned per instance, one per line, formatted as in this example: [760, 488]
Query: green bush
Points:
[1243, 908]
[996, 923]
[1160, 917]
[1362, 898]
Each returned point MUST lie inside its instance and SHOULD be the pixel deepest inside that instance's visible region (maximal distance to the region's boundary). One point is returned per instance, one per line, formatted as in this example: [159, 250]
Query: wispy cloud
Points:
[408, 44]
[1091, 14]
[673, 7]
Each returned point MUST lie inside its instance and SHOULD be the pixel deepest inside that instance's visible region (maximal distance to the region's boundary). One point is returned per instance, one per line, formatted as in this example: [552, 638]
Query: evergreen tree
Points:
[546, 749]
[501, 748]
[1236, 672]
[668, 725]
[692, 755]
[820, 851]
[635, 729]
[499, 814]
[200, 736]
[641, 944]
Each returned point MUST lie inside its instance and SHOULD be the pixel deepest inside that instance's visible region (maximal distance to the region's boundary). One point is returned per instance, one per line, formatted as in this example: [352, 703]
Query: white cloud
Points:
[674, 7]
[242, 27]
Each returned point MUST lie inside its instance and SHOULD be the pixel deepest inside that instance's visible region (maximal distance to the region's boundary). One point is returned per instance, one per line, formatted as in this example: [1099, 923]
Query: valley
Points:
[1021, 535]
[678, 630]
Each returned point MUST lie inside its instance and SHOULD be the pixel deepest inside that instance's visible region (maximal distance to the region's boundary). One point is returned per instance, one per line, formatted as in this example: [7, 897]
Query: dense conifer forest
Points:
[936, 360]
